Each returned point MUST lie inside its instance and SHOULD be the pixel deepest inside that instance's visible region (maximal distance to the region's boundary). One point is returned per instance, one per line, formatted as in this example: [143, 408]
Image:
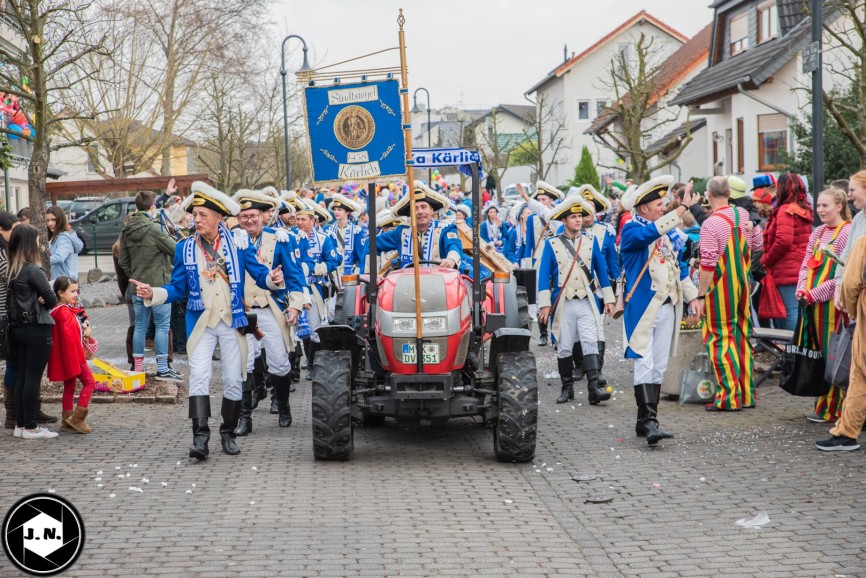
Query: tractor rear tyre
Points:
[332, 421]
[522, 308]
[514, 432]
[339, 316]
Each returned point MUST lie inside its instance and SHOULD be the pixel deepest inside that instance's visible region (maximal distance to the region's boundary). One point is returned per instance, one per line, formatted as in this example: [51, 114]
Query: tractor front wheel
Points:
[332, 420]
[514, 432]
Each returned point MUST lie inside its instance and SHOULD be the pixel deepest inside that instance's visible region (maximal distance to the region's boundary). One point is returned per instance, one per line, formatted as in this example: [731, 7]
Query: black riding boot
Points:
[645, 396]
[596, 394]
[577, 356]
[295, 362]
[314, 347]
[601, 379]
[542, 332]
[260, 388]
[245, 423]
[230, 412]
[566, 367]
[282, 384]
[199, 412]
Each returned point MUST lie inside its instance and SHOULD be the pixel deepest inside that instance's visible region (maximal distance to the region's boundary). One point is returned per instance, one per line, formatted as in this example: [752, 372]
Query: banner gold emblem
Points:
[354, 127]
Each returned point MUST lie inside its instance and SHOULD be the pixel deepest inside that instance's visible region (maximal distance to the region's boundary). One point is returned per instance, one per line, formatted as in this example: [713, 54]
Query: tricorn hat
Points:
[542, 188]
[422, 193]
[651, 190]
[588, 192]
[573, 204]
[204, 195]
[248, 199]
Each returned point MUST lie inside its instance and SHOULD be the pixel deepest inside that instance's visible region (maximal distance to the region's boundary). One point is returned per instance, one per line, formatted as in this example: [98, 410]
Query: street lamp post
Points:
[304, 67]
[416, 109]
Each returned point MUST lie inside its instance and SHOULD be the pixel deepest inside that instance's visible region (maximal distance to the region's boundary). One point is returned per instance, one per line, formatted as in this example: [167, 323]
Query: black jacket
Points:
[24, 290]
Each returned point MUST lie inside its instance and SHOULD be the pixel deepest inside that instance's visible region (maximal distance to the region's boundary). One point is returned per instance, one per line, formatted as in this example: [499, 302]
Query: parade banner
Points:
[354, 131]
[448, 157]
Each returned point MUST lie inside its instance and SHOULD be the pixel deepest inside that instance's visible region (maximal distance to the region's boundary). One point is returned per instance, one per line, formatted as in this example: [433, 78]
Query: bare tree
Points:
[59, 36]
[544, 139]
[846, 57]
[640, 112]
[494, 144]
[193, 39]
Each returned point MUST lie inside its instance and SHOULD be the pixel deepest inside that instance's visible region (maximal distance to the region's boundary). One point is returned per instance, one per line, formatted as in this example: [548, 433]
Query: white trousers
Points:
[201, 357]
[277, 359]
[315, 322]
[651, 368]
[577, 322]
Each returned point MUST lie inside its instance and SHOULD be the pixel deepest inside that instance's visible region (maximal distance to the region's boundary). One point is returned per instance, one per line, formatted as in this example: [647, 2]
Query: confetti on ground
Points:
[189, 491]
[702, 479]
[99, 473]
[118, 467]
[255, 469]
[252, 503]
[110, 495]
[164, 484]
[656, 485]
[51, 490]
[98, 485]
[508, 501]
[145, 480]
[135, 489]
[178, 463]
[97, 479]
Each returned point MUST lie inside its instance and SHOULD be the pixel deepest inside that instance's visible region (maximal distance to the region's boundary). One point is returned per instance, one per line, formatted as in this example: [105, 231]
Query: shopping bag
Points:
[770, 304]
[839, 357]
[802, 372]
[698, 382]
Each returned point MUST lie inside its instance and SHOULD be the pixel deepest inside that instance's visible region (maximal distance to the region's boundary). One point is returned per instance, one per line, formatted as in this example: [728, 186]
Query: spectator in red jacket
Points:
[787, 236]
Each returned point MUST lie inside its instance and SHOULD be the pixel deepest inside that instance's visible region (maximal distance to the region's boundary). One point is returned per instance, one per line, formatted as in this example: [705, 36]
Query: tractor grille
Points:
[421, 386]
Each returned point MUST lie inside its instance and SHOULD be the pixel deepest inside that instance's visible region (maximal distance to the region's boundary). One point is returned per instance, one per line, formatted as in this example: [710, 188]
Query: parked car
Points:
[101, 227]
[82, 205]
[510, 195]
[64, 205]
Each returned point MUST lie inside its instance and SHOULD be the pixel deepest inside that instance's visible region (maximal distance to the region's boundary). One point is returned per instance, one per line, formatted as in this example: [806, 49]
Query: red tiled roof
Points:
[677, 66]
[636, 19]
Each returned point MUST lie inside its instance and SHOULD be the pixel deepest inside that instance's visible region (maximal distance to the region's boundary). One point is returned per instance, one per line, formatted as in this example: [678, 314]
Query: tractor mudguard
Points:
[508, 340]
[338, 338]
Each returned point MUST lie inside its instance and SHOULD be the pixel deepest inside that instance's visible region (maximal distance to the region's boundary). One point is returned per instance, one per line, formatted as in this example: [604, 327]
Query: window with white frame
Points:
[739, 32]
[583, 110]
[768, 21]
[600, 105]
[772, 141]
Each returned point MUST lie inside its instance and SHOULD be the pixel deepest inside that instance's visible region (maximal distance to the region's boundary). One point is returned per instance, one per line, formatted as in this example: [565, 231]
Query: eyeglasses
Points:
[249, 218]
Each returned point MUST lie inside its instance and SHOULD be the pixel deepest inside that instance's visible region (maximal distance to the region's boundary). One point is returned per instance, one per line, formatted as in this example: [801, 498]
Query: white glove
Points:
[320, 269]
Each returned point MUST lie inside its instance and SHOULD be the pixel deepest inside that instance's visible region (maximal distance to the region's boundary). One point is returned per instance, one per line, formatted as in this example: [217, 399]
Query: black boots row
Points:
[646, 396]
[542, 334]
[591, 367]
[282, 386]
[199, 412]
[577, 355]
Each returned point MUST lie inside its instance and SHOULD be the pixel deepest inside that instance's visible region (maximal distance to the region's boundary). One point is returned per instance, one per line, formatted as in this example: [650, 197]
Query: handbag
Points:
[91, 346]
[770, 304]
[698, 382]
[803, 365]
[839, 357]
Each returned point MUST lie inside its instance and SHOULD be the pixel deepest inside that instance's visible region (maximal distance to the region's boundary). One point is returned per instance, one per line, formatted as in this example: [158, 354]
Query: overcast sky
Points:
[474, 53]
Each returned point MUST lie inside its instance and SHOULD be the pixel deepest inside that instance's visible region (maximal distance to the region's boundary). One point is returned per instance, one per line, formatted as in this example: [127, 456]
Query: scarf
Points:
[348, 245]
[229, 252]
[677, 237]
[425, 253]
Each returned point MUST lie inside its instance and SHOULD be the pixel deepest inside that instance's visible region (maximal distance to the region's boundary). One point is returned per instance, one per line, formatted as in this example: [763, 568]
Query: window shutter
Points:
[772, 122]
[739, 27]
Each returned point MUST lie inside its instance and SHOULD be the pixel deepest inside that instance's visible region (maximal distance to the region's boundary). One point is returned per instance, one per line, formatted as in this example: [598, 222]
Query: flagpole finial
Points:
[401, 20]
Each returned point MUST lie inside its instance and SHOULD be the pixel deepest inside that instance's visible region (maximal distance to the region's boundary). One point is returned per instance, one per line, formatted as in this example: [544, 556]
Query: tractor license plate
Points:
[431, 353]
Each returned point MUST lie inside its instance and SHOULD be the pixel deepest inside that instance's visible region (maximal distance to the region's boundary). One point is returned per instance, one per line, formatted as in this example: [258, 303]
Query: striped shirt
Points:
[822, 235]
[716, 231]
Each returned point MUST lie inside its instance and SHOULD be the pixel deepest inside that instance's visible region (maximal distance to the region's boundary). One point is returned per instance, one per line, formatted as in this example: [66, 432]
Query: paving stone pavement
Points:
[434, 502]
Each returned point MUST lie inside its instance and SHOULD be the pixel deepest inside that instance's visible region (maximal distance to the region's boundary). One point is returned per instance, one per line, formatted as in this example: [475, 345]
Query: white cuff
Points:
[273, 286]
[607, 295]
[306, 269]
[668, 223]
[296, 300]
[160, 296]
[454, 256]
[543, 298]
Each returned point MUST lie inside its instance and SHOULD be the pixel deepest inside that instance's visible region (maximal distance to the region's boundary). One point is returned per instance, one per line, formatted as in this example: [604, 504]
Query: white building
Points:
[575, 92]
[753, 89]
[498, 132]
[667, 127]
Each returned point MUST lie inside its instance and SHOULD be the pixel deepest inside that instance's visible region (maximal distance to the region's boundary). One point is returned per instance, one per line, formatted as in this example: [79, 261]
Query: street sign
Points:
[811, 57]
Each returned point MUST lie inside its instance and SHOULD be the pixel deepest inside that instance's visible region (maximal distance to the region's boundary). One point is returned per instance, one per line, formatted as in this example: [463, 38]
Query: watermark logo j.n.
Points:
[43, 534]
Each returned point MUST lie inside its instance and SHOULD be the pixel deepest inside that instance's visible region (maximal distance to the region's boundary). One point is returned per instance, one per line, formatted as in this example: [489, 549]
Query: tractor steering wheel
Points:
[424, 262]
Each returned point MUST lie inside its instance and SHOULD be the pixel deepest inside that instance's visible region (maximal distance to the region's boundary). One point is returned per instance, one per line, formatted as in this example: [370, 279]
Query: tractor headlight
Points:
[404, 325]
[435, 323]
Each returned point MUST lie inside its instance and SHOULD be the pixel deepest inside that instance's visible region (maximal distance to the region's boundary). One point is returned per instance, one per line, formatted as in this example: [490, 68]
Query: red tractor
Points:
[473, 358]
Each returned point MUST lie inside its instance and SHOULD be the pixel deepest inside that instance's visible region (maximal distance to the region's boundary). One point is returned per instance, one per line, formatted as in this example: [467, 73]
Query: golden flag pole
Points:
[410, 177]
